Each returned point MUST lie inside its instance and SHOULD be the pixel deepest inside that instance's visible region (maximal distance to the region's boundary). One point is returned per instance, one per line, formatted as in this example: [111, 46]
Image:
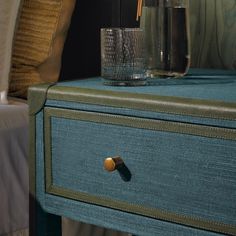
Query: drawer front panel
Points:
[180, 173]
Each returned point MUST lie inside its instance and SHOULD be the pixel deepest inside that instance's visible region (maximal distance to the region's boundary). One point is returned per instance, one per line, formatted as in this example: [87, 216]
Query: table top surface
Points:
[219, 85]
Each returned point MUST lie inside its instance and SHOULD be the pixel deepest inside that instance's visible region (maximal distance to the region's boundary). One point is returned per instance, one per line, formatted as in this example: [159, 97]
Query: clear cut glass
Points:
[123, 60]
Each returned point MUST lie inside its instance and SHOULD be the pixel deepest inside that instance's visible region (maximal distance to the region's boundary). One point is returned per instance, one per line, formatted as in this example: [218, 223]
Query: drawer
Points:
[181, 173]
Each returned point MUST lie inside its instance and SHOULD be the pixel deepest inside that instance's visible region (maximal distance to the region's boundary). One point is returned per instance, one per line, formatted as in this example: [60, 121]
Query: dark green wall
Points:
[81, 55]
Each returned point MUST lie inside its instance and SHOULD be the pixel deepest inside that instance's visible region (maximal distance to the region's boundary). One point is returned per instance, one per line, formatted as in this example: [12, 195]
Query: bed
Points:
[14, 168]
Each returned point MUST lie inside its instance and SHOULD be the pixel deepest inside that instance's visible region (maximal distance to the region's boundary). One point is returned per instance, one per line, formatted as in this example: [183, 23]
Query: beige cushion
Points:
[39, 43]
[8, 16]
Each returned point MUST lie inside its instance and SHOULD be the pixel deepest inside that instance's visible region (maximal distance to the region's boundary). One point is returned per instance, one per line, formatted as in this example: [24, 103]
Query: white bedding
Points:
[13, 166]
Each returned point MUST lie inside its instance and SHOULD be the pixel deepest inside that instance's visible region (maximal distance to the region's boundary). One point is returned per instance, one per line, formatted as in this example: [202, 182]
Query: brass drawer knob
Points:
[116, 163]
[112, 163]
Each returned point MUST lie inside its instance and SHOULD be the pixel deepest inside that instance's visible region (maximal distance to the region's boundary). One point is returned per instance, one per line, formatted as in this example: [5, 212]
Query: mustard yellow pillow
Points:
[39, 43]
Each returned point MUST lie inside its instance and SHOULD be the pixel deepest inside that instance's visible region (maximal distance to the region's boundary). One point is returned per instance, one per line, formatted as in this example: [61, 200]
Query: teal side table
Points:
[152, 160]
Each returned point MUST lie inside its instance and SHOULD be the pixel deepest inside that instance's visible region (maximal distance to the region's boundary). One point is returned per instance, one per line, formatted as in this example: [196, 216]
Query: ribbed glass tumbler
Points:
[123, 60]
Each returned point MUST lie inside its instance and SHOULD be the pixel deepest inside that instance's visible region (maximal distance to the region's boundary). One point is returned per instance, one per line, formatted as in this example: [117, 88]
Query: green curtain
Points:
[213, 33]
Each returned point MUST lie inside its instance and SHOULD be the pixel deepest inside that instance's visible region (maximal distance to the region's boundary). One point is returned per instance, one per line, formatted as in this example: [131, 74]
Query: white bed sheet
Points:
[14, 188]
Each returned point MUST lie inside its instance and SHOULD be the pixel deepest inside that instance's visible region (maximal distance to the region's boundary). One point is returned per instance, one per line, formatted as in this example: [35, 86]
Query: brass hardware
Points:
[116, 163]
[112, 163]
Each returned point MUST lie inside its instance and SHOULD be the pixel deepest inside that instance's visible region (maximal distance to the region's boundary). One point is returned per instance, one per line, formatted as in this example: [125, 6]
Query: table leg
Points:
[42, 223]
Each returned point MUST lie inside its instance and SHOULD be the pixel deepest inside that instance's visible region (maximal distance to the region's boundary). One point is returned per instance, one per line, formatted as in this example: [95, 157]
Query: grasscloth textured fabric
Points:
[162, 149]
[39, 43]
[8, 16]
[182, 171]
